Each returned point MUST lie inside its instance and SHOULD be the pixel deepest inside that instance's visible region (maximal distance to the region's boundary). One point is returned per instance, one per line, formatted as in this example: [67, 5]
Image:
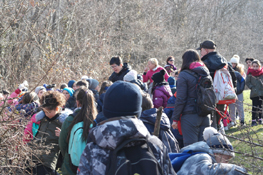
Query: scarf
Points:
[255, 73]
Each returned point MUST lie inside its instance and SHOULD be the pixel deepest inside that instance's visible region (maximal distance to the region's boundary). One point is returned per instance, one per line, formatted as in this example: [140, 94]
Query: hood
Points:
[198, 147]
[165, 89]
[112, 133]
[149, 116]
[63, 115]
[200, 69]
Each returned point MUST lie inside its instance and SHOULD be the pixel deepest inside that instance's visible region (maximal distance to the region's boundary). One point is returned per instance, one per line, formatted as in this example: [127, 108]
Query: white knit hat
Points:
[39, 88]
[130, 76]
[217, 142]
[235, 59]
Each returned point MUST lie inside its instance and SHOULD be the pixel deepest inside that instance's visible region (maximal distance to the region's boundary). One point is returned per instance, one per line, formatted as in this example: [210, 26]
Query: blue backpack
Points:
[76, 145]
[178, 159]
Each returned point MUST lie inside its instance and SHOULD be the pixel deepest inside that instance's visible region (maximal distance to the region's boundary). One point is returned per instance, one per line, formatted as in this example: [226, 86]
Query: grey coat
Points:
[255, 84]
[205, 163]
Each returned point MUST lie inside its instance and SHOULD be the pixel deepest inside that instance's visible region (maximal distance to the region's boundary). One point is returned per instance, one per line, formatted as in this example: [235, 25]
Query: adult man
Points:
[120, 69]
[214, 61]
[122, 106]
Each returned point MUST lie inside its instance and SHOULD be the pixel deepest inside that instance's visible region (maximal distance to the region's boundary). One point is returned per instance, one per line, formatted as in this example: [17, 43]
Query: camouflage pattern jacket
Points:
[107, 136]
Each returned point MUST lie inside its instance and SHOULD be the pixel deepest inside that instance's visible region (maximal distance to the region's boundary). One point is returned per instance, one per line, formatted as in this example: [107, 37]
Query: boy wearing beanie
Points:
[214, 153]
[122, 106]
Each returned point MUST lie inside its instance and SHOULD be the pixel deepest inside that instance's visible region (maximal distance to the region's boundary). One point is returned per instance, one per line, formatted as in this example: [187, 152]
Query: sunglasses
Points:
[171, 60]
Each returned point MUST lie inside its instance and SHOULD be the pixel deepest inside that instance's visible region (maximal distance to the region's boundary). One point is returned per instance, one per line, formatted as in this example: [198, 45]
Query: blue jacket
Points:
[240, 83]
[148, 117]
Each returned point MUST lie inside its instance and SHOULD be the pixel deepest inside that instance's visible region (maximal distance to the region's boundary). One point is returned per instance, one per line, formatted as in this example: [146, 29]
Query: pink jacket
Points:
[13, 95]
[28, 133]
[150, 73]
[161, 94]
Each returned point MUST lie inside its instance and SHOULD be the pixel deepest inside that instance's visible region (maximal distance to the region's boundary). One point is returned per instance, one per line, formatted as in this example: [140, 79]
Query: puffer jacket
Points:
[106, 137]
[186, 92]
[29, 108]
[240, 83]
[205, 163]
[148, 117]
[255, 84]
[119, 76]
[47, 138]
[161, 94]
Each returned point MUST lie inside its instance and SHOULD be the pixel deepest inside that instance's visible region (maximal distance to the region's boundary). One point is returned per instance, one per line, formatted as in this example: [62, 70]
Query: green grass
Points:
[248, 134]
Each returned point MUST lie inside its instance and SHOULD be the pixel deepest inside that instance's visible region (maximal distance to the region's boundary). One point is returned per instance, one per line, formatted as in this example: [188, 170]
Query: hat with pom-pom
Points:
[235, 59]
[217, 142]
[159, 76]
[130, 76]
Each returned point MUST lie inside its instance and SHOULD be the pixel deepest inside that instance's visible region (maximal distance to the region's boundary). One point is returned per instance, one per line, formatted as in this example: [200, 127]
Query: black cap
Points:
[208, 44]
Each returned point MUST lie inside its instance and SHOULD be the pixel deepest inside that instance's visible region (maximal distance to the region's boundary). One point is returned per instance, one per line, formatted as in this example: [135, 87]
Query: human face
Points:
[66, 95]
[40, 93]
[203, 52]
[50, 113]
[255, 66]
[234, 65]
[150, 65]
[221, 158]
[171, 61]
[249, 63]
[116, 68]
[74, 87]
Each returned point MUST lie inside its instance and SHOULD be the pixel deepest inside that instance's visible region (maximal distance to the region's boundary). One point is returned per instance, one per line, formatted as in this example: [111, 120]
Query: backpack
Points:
[206, 98]
[76, 146]
[178, 159]
[223, 86]
[137, 158]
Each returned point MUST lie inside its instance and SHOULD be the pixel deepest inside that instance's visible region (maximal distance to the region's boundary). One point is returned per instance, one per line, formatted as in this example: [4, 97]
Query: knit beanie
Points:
[158, 77]
[217, 142]
[93, 83]
[130, 76]
[122, 99]
[70, 91]
[171, 81]
[39, 88]
[235, 59]
[70, 83]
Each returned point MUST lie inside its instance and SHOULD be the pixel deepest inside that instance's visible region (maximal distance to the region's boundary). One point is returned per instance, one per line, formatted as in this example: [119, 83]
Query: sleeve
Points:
[28, 130]
[63, 145]
[248, 81]
[166, 76]
[181, 96]
[13, 95]
[145, 77]
[158, 98]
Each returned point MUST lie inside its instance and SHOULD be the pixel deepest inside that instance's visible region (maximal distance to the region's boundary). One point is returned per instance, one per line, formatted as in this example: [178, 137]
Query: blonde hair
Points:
[153, 61]
[240, 68]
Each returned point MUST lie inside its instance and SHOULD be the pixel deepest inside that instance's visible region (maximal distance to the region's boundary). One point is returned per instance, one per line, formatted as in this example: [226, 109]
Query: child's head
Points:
[104, 86]
[40, 90]
[29, 98]
[256, 64]
[249, 61]
[68, 92]
[93, 84]
[146, 102]
[63, 86]
[82, 83]
[51, 101]
[235, 61]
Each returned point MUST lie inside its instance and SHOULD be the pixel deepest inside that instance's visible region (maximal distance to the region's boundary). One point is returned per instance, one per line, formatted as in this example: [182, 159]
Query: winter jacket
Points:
[255, 84]
[99, 118]
[161, 94]
[28, 108]
[149, 74]
[47, 138]
[63, 144]
[100, 102]
[148, 117]
[119, 76]
[169, 68]
[28, 132]
[240, 83]
[12, 99]
[106, 137]
[186, 92]
[205, 163]
[96, 94]
[71, 103]
[140, 84]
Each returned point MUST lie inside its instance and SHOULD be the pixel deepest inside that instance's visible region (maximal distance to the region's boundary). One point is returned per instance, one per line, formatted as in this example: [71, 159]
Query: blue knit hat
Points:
[70, 83]
[70, 91]
[122, 99]
[171, 81]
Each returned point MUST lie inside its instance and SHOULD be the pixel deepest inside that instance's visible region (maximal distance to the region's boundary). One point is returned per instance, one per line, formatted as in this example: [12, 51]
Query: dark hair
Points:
[176, 72]
[104, 86]
[52, 99]
[189, 57]
[83, 83]
[29, 97]
[256, 62]
[146, 101]
[116, 60]
[63, 85]
[87, 113]
[251, 59]
[169, 58]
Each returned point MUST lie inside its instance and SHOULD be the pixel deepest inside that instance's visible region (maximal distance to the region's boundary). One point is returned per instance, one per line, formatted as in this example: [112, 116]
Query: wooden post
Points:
[158, 121]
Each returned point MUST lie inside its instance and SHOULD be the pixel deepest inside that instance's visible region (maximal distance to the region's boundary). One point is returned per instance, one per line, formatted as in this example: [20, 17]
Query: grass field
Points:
[248, 141]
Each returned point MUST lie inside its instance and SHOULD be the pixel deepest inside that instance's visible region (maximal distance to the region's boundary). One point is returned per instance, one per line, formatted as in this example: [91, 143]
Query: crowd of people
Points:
[93, 127]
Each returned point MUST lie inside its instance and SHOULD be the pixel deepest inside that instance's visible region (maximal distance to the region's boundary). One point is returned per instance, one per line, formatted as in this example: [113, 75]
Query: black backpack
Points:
[137, 158]
[206, 98]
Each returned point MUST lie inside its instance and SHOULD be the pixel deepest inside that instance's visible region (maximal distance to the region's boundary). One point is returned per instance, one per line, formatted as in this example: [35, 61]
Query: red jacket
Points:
[150, 73]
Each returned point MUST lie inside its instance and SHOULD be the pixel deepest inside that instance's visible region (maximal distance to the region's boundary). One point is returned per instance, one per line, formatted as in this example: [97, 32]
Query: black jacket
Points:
[186, 92]
[240, 83]
[119, 76]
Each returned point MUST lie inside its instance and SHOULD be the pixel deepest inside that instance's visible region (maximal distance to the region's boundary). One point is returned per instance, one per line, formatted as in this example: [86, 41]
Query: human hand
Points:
[175, 125]
[146, 69]
[57, 131]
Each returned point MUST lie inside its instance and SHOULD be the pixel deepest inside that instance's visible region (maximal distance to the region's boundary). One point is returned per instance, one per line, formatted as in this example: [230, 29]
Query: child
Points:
[161, 90]
[94, 87]
[28, 104]
[51, 102]
[40, 90]
[104, 86]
